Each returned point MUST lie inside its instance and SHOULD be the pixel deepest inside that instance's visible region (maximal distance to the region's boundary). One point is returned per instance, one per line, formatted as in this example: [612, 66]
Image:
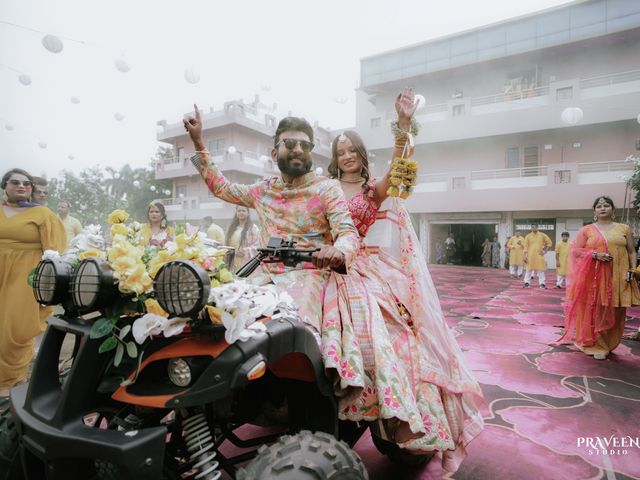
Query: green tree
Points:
[95, 192]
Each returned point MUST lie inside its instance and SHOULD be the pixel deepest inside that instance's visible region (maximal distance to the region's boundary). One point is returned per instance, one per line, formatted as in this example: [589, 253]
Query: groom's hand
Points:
[328, 257]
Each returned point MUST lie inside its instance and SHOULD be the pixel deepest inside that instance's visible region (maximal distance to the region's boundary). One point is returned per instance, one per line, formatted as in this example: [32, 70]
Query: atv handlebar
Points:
[277, 251]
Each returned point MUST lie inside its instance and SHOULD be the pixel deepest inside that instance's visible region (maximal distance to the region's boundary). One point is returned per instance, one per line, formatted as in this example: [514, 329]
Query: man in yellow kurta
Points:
[536, 245]
[562, 258]
[515, 249]
[213, 230]
[71, 224]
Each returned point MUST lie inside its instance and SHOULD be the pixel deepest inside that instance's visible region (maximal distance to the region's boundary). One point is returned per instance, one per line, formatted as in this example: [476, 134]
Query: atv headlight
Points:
[182, 288]
[93, 285]
[51, 281]
[179, 372]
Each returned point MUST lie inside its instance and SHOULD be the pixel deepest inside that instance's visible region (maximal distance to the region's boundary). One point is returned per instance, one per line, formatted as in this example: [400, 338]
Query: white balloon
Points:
[419, 101]
[167, 192]
[181, 195]
[42, 144]
[136, 183]
[9, 127]
[75, 100]
[152, 188]
[71, 157]
[52, 43]
[572, 115]
[122, 65]
[191, 75]
[118, 116]
[116, 175]
[319, 171]
[232, 150]
[24, 79]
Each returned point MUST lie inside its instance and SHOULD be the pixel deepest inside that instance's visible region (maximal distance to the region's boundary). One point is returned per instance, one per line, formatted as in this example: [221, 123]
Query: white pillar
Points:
[424, 235]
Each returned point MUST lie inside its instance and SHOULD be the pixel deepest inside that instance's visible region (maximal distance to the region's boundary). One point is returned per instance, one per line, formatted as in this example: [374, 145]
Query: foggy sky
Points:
[303, 56]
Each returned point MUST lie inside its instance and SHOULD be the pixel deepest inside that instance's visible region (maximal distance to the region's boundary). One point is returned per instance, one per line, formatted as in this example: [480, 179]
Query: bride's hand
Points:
[405, 108]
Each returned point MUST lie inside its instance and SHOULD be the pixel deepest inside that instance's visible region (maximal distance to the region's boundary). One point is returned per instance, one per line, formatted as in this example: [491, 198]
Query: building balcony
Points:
[246, 162]
[606, 98]
[569, 186]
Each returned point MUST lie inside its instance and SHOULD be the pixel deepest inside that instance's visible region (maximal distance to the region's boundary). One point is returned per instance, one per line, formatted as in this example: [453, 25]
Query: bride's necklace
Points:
[351, 178]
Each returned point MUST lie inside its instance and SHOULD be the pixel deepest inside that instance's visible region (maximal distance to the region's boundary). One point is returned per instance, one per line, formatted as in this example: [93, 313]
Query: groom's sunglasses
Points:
[290, 144]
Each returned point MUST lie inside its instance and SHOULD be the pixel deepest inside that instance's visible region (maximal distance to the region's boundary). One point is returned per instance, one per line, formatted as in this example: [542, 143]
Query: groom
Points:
[297, 205]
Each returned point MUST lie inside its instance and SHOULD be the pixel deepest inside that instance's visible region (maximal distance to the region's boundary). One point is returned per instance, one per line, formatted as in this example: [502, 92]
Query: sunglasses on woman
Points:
[15, 183]
[290, 144]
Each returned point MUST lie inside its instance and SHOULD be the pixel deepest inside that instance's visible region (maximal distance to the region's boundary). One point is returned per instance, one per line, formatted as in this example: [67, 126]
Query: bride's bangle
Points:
[414, 128]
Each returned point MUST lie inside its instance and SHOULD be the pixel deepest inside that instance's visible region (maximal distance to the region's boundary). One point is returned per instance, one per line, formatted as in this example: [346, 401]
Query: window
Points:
[563, 176]
[216, 147]
[457, 110]
[458, 183]
[181, 190]
[565, 93]
[376, 122]
[513, 157]
[530, 161]
[180, 153]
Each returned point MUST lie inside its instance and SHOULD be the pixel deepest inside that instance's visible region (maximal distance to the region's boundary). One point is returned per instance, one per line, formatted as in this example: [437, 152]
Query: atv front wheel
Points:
[305, 456]
[10, 466]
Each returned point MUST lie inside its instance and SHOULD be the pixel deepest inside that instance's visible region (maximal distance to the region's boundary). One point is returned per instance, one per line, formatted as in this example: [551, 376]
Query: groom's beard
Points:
[294, 165]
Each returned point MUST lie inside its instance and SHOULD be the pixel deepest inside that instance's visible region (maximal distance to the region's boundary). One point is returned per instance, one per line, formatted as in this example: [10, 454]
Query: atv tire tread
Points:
[305, 456]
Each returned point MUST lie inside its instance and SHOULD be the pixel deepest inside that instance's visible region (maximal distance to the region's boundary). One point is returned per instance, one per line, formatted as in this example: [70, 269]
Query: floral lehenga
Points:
[384, 339]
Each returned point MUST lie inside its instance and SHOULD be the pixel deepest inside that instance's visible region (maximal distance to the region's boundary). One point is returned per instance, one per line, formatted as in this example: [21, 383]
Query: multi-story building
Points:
[527, 120]
[240, 140]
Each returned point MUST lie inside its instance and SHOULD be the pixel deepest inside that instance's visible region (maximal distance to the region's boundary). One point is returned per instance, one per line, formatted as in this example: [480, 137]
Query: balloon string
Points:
[40, 31]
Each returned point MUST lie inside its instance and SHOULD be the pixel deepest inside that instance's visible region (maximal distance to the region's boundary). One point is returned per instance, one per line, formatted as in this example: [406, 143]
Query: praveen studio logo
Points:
[610, 445]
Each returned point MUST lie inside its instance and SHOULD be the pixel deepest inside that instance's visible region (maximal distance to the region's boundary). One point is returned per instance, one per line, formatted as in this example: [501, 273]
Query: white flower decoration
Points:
[147, 326]
[174, 327]
[50, 255]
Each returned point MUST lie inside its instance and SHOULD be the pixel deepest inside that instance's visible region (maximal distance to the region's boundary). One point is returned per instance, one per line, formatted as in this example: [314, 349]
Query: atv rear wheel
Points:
[10, 466]
[305, 456]
[400, 455]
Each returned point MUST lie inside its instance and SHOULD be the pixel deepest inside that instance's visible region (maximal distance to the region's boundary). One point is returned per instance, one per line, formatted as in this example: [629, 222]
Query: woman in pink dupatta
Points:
[395, 361]
[600, 283]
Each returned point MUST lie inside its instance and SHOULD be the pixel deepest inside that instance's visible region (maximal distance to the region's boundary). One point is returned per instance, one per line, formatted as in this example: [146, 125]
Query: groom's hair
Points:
[295, 124]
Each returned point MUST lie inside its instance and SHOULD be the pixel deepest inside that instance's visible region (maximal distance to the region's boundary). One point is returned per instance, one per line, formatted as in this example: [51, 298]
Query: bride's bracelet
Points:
[398, 132]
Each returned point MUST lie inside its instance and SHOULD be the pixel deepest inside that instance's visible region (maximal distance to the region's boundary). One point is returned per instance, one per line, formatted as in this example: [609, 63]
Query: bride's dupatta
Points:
[588, 304]
[392, 239]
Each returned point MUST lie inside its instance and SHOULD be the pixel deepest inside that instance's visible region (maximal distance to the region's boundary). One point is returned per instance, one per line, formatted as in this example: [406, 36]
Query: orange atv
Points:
[166, 414]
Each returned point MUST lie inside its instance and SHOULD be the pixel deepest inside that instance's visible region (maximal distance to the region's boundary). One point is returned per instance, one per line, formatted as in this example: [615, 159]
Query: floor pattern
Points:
[543, 403]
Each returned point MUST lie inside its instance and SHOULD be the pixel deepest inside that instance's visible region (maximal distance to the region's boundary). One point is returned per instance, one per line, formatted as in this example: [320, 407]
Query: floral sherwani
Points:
[310, 210]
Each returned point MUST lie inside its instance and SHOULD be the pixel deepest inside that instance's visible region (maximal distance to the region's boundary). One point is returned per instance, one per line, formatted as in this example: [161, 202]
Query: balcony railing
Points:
[602, 167]
[510, 96]
[602, 80]
[509, 173]
[610, 79]
[587, 173]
